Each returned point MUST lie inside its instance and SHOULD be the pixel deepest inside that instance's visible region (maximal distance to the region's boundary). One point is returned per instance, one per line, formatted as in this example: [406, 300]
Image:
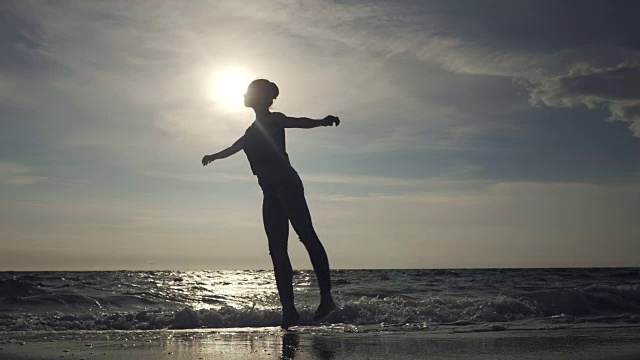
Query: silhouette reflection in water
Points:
[290, 345]
[321, 348]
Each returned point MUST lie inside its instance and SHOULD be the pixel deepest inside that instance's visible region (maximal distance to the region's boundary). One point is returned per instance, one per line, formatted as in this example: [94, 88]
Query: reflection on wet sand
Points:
[321, 348]
[316, 343]
[290, 344]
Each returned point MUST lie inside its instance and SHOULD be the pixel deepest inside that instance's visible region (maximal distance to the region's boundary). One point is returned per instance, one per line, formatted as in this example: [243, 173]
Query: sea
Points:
[404, 300]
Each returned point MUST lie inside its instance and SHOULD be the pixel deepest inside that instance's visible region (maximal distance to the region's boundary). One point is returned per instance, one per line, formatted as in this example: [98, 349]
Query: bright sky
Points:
[501, 134]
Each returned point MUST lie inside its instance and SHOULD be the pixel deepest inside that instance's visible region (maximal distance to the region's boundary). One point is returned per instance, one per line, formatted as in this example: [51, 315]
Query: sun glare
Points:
[229, 88]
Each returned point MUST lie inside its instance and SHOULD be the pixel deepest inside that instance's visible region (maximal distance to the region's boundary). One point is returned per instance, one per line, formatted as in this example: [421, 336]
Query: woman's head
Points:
[260, 93]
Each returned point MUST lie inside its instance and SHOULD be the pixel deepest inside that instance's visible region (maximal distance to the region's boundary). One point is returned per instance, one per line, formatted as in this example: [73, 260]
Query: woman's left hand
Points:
[332, 120]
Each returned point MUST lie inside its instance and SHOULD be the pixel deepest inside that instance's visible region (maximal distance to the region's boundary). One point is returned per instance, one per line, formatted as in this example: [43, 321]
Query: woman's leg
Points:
[276, 225]
[292, 198]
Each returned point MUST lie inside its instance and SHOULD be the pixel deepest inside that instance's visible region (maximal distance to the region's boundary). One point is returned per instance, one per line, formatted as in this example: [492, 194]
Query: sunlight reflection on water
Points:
[246, 288]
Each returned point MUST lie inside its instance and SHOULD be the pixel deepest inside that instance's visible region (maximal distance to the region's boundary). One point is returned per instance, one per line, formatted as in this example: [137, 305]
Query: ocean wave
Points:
[419, 298]
[589, 305]
[587, 301]
[15, 287]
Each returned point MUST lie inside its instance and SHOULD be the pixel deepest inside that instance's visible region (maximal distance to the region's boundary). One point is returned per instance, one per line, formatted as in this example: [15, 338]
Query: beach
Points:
[381, 314]
[318, 343]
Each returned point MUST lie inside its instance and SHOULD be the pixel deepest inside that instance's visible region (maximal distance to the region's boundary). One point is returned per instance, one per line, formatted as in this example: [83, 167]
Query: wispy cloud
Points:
[511, 204]
[617, 88]
[198, 177]
[410, 184]
[18, 174]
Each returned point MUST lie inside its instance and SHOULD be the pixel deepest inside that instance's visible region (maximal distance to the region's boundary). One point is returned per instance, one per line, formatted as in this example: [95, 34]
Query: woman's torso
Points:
[264, 145]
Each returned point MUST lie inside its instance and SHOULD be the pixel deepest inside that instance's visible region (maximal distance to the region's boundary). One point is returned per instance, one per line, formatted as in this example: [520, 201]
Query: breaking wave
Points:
[593, 303]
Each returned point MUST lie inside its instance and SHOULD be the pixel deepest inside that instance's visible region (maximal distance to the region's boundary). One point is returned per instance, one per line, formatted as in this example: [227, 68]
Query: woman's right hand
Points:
[207, 159]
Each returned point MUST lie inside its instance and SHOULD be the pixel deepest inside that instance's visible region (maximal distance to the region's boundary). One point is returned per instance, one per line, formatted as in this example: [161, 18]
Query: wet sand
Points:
[622, 343]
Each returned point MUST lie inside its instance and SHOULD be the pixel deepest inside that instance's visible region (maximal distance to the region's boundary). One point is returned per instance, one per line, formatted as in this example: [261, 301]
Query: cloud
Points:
[537, 206]
[497, 224]
[131, 81]
[405, 184]
[206, 177]
[507, 223]
[597, 43]
[17, 174]
[533, 43]
[617, 88]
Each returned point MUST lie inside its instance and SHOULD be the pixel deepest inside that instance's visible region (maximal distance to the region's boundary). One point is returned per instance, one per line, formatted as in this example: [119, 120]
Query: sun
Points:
[229, 86]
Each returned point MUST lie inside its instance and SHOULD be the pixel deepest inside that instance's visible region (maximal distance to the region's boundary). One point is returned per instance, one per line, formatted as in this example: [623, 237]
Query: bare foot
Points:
[327, 305]
[290, 318]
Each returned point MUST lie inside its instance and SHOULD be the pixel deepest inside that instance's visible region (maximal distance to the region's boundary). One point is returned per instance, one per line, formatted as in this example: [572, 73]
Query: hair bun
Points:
[265, 88]
[274, 90]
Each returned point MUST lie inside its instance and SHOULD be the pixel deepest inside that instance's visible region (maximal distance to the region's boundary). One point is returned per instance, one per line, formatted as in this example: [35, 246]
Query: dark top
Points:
[264, 145]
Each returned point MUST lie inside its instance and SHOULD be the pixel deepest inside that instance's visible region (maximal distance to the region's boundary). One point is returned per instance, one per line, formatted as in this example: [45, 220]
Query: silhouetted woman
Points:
[284, 201]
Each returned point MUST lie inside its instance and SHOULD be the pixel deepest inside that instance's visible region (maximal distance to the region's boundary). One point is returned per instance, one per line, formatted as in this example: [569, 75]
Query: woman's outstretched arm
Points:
[237, 146]
[306, 123]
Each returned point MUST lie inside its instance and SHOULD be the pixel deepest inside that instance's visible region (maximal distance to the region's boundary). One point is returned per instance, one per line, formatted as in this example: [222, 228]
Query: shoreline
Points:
[620, 343]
